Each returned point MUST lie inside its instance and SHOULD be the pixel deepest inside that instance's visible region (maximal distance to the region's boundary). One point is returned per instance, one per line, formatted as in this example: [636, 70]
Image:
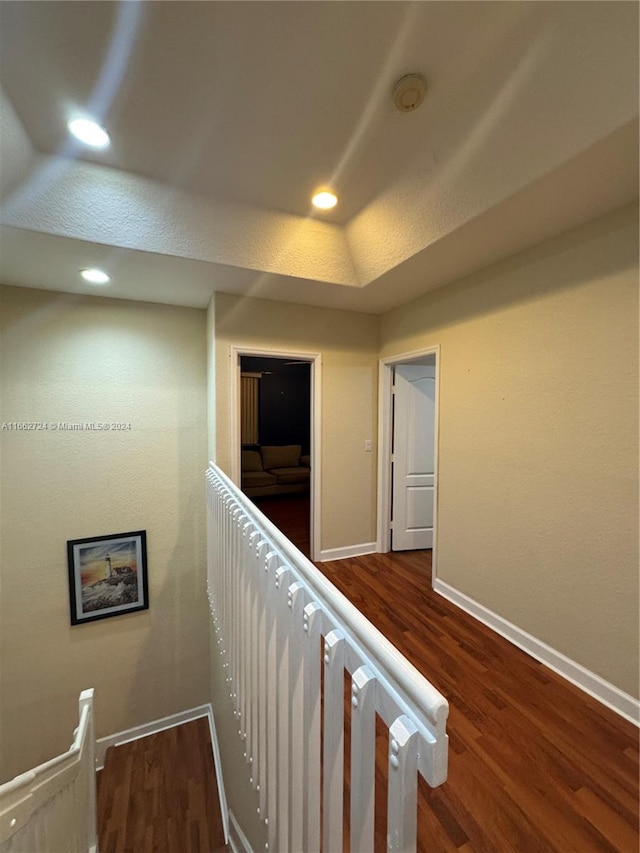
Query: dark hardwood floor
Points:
[535, 764]
[291, 515]
[159, 794]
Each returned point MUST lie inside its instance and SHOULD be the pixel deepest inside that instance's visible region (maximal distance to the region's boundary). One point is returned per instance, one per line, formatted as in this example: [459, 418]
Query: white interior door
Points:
[413, 475]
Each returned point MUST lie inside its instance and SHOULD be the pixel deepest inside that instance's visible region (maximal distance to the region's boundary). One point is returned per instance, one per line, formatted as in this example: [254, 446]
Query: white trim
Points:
[349, 551]
[217, 762]
[152, 728]
[238, 841]
[608, 694]
[384, 445]
[316, 455]
[384, 453]
[315, 359]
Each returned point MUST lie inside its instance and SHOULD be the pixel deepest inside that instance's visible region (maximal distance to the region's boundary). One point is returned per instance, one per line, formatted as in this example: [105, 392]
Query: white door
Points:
[413, 457]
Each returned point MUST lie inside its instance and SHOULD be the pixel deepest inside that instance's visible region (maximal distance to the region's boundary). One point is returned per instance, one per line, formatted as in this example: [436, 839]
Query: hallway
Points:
[534, 763]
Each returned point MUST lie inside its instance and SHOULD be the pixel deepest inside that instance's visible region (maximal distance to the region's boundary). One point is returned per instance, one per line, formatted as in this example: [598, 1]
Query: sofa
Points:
[275, 470]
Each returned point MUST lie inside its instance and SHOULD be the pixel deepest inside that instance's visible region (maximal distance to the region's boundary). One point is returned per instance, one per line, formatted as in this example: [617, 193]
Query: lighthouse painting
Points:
[107, 575]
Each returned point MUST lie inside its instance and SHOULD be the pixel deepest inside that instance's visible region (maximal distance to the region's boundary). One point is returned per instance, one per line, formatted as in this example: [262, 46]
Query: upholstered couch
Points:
[274, 470]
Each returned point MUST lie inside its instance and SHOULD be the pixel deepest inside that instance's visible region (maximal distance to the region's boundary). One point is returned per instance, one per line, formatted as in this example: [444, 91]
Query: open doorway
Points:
[407, 475]
[275, 438]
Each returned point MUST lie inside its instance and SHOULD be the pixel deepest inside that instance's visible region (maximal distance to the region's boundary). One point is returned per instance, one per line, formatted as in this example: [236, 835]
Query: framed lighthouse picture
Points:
[107, 576]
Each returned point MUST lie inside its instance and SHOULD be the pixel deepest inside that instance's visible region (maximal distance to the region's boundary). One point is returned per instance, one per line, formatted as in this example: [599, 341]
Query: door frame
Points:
[385, 383]
[315, 360]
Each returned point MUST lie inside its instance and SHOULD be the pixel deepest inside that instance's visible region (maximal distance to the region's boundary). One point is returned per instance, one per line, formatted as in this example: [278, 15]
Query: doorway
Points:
[407, 462]
[275, 417]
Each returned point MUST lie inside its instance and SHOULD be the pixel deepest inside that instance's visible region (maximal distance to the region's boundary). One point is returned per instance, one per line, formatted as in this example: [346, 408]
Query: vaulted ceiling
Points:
[225, 116]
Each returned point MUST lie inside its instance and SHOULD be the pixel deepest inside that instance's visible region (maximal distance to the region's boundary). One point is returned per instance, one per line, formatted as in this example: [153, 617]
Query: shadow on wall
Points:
[176, 635]
[516, 279]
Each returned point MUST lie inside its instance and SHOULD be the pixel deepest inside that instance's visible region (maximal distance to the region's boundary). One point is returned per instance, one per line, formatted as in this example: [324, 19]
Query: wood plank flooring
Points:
[291, 514]
[535, 764]
[159, 794]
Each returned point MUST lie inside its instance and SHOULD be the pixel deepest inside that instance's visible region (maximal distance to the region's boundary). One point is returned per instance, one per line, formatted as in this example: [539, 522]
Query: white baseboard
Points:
[610, 695]
[155, 726]
[349, 551]
[238, 841]
[217, 761]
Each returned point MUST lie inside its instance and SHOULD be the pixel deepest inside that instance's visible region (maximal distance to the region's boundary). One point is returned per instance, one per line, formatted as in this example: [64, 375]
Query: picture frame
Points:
[107, 576]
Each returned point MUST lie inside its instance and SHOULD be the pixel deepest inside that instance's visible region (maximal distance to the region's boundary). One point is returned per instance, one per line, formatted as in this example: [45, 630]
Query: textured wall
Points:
[348, 343]
[17, 150]
[100, 204]
[538, 498]
[71, 358]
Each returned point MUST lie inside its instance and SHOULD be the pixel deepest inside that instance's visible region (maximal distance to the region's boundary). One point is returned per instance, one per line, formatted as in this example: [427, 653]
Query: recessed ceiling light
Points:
[324, 200]
[94, 276]
[89, 132]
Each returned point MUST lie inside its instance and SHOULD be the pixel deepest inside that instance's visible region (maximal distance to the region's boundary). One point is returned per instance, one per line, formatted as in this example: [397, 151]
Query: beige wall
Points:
[348, 343]
[71, 358]
[538, 480]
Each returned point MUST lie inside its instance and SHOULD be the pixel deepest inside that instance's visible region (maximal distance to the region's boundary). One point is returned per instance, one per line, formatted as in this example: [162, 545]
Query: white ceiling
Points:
[224, 116]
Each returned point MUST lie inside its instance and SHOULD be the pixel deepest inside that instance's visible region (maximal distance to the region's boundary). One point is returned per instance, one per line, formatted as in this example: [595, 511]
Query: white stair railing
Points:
[52, 808]
[277, 622]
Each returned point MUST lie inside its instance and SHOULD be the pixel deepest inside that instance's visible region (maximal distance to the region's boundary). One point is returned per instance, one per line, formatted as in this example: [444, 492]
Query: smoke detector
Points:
[409, 92]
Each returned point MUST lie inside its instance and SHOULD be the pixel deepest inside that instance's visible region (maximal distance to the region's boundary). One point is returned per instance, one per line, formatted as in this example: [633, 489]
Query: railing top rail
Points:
[400, 671]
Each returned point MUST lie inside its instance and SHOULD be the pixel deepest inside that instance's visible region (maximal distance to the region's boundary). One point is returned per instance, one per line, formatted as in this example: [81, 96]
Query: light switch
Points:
[367, 445]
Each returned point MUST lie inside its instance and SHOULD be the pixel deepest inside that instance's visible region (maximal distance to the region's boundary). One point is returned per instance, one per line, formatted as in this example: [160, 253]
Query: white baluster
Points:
[272, 707]
[256, 607]
[263, 675]
[333, 758]
[89, 764]
[363, 756]
[295, 601]
[226, 576]
[282, 635]
[312, 621]
[235, 629]
[403, 786]
[244, 564]
[265, 678]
